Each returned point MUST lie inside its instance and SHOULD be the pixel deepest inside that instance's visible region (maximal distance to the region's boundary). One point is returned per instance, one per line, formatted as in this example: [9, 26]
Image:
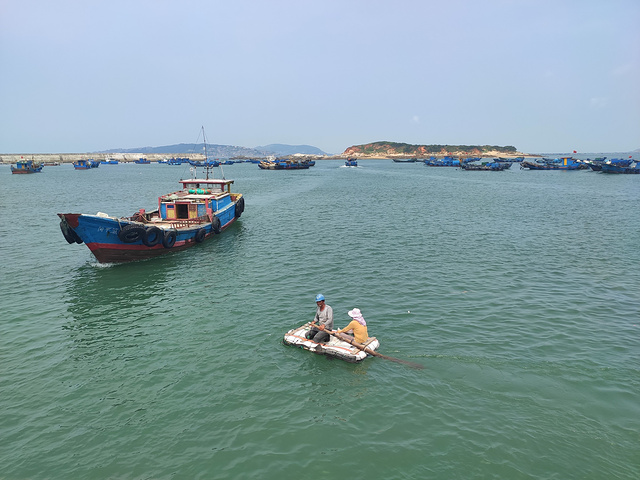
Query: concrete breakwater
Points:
[74, 157]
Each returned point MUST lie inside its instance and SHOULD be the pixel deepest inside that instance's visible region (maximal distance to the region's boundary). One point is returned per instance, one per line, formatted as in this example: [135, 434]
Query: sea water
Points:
[518, 291]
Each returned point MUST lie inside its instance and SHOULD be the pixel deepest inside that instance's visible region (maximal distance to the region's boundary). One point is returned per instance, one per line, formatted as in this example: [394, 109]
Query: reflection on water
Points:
[487, 280]
[103, 292]
[126, 300]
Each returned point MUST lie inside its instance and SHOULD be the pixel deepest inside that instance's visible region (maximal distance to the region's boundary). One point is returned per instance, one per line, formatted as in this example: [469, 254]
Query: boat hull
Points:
[334, 348]
[103, 235]
[566, 163]
[606, 168]
[490, 167]
[285, 166]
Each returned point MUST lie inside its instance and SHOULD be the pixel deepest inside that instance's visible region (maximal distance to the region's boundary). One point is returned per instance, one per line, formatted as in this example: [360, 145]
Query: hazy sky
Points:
[541, 75]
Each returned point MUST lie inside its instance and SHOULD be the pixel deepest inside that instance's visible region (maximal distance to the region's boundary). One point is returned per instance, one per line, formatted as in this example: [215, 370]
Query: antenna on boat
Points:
[207, 165]
[206, 157]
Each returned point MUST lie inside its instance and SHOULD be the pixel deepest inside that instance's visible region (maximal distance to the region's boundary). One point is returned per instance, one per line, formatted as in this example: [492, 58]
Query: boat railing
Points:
[187, 222]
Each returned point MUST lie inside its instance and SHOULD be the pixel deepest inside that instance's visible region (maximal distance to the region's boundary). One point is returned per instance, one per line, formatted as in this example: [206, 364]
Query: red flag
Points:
[575, 151]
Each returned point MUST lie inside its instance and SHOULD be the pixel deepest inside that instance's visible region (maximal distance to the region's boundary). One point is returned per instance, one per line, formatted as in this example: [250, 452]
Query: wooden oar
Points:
[373, 352]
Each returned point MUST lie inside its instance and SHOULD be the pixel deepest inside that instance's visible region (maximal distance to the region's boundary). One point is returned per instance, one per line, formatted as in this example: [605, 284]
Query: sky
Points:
[541, 75]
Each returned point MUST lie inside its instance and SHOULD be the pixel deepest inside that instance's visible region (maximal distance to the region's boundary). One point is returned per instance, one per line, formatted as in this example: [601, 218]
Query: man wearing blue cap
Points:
[324, 320]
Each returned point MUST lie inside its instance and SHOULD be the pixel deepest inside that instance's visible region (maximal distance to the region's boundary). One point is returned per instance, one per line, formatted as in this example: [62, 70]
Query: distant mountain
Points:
[216, 151]
[223, 151]
[279, 149]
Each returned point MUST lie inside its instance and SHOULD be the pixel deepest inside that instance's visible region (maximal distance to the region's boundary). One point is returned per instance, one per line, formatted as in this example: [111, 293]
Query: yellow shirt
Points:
[359, 331]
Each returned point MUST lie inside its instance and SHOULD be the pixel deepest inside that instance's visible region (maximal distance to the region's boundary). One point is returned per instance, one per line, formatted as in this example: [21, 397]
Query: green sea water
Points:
[519, 292]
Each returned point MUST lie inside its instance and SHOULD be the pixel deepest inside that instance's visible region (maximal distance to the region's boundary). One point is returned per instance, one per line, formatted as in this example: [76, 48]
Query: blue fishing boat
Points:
[285, 164]
[203, 163]
[486, 166]
[142, 161]
[86, 164]
[26, 166]
[446, 161]
[562, 163]
[630, 168]
[351, 162]
[200, 209]
[177, 161]
[110, 161]
[596, 165]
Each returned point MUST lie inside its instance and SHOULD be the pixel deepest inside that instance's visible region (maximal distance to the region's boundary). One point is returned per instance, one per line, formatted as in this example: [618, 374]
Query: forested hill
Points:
[386, 149]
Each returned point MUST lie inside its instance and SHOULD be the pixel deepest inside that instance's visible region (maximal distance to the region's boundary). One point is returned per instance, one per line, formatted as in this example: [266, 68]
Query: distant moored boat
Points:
[86, 164]
[26, 166]
[621, 167]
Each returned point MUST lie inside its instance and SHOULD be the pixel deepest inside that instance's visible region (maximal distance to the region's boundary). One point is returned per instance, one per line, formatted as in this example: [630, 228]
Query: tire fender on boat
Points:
[131, 233]
[170, 237]
[216, 226]
[239, 207]
[200, 234]
[152, 236]
[69, 233]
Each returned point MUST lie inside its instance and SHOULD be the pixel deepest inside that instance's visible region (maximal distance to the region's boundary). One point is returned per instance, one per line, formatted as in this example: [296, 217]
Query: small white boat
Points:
[333, 348]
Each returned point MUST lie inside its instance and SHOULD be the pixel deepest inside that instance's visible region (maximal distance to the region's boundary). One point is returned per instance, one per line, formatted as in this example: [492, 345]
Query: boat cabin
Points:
[198, 198]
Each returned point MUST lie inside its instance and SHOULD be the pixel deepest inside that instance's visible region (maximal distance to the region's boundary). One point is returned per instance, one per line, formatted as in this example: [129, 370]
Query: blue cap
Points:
[319, 297]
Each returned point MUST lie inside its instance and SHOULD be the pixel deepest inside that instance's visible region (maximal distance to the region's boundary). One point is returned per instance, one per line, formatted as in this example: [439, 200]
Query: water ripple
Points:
[174, 368]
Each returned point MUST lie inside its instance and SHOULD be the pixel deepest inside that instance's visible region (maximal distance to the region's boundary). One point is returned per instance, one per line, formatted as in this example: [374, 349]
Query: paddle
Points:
[372, 352]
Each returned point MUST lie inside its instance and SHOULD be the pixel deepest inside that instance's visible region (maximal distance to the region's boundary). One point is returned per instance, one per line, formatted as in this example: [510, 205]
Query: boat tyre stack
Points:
[200, 234]
[239, 207]
[216, 226]
[170, 237]
[69, 233]
[152, 236]
[131, 233]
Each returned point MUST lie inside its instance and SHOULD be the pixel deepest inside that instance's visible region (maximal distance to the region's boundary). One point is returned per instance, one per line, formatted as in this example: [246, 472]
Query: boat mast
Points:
[207, 165]
[206, 157]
